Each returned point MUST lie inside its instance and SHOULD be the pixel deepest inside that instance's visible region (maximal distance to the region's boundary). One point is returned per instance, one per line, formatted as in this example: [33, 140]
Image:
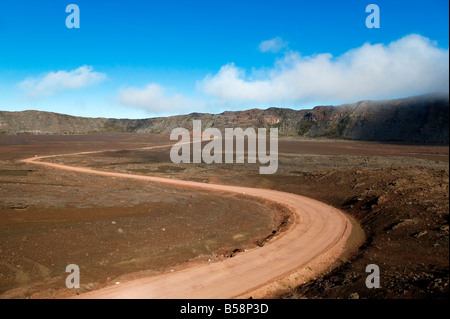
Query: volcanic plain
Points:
[117, 229]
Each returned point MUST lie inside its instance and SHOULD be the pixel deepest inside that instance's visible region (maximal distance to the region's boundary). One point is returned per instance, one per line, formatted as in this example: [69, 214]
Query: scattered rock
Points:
[420, 234]
[354, 295]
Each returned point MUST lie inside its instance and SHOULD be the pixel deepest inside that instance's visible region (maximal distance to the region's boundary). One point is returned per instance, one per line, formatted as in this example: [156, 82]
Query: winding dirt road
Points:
[314, 240]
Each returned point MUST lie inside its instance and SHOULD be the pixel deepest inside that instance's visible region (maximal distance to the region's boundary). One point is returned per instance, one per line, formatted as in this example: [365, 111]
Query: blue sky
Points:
[138, 59]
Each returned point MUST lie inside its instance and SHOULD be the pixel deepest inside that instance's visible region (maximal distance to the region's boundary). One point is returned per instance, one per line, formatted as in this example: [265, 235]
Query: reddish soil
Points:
[398, 193]
[52, 218]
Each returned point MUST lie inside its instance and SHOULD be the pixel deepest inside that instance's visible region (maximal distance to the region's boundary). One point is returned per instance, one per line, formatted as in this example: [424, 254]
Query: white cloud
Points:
[409, 66]
[55, 82]
[154, 99]
[273, 45]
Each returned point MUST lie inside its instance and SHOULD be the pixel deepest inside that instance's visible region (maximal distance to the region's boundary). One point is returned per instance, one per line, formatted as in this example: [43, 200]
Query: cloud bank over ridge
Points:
[412, 65]
[409, 66]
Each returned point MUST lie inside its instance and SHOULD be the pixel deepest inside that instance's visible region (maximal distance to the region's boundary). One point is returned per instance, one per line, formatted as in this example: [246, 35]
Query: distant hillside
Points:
[419, 119]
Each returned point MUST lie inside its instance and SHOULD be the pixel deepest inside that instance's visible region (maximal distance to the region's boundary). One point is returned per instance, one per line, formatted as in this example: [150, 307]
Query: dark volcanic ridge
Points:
[417, 119]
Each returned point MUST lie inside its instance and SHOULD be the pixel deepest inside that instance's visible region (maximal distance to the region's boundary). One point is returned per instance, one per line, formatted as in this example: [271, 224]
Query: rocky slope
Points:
[418, 119]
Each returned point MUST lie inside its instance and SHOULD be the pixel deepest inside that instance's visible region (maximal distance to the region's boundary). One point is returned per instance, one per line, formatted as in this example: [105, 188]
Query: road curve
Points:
[318, 232]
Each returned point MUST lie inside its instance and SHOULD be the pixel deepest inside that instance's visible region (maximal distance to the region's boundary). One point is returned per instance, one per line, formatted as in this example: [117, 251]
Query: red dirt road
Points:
[315, 239]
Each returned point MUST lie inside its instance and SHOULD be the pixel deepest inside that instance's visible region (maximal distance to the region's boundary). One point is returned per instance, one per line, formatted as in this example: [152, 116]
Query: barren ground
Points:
[398, 193]
[113, 229]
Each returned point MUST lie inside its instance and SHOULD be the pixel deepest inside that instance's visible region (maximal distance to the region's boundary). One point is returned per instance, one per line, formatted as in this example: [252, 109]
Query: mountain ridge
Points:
[416, 119]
